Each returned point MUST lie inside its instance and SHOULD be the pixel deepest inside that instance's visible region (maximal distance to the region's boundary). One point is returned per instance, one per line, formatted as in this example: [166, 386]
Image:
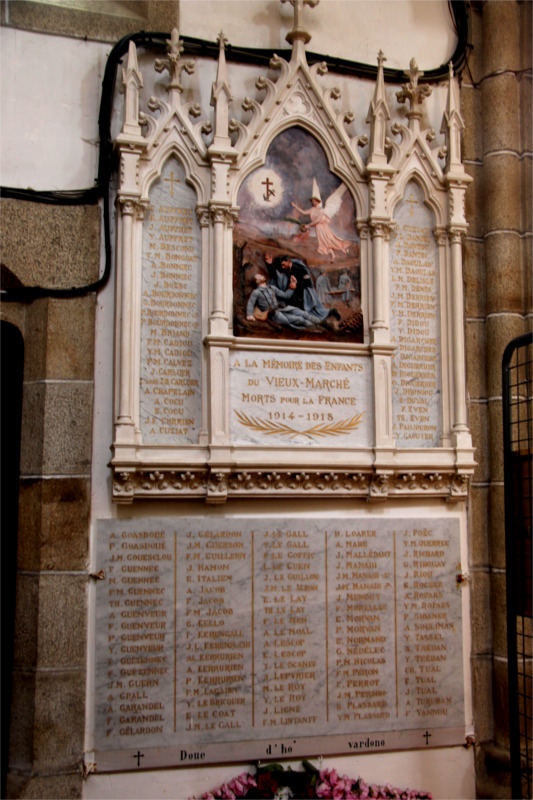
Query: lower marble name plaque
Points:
[246, 638]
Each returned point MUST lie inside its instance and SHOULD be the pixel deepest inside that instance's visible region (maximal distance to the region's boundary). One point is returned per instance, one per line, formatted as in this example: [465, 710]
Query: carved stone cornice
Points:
[218, 485]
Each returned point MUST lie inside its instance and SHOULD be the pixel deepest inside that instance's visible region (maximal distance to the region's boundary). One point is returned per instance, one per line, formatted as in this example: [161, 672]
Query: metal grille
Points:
[518, 465]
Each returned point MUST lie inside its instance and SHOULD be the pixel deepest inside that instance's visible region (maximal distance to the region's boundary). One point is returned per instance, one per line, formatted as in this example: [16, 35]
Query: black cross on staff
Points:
[427, 737]
[138, 755]
[269, 192]
[172, 179]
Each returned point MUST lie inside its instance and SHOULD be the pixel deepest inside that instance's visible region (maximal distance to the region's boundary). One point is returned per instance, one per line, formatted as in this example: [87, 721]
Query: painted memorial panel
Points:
[296, 251]
[275, 636]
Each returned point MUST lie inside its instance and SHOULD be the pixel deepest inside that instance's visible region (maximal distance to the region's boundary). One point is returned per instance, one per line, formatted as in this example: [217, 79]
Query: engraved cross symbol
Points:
[171, 180]
[427, 737]
[269, 192]
[138, 755]
[412, 200]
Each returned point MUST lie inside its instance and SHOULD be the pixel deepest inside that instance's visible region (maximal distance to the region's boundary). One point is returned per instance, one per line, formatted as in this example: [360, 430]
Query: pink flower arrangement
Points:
[237, 787]
[272, 781]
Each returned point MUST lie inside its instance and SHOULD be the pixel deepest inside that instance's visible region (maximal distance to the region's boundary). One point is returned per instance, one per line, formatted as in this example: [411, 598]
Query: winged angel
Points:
[321, 216]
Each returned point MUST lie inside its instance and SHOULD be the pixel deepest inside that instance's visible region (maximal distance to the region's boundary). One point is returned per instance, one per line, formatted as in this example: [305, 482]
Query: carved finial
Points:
[132, 82]
[452, 125]
[378, 114]
[222, 40]
[221, 98]
[174, 63]
[413, 91]
[298, 32]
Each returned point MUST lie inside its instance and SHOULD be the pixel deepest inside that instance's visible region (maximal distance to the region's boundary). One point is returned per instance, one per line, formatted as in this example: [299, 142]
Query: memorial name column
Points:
[291, 627]
[362, 669]
[137, 627]
[214, 634]
[430, 626]
[170, 385]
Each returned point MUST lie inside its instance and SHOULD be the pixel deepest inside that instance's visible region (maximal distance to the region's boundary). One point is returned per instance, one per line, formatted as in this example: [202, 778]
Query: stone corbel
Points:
[378, 490]
[217, 487]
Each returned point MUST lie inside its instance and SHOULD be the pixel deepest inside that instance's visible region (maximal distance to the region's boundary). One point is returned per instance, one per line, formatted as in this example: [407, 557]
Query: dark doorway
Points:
[11, 374]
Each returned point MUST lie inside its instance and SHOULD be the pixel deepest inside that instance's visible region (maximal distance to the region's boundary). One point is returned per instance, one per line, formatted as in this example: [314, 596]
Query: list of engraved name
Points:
[414, 325]
[170, 316]
[259, 631]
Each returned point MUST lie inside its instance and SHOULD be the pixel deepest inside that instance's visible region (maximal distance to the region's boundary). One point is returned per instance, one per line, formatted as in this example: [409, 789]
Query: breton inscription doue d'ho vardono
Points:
[258, 638]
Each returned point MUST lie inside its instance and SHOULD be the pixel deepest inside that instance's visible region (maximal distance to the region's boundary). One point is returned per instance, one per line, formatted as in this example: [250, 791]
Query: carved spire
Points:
[453, 124]
[221, 97]
[174, 64]
[414, 92]
[132, 82]
[378, 114]
[298, 36]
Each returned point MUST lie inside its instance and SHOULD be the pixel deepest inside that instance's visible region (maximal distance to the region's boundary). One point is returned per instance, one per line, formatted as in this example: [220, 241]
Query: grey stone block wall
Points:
[49, 673]
[496, 96]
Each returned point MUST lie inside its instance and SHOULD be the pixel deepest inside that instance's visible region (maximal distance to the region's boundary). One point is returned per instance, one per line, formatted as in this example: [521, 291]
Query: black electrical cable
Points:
[198, 47]
[95, 193]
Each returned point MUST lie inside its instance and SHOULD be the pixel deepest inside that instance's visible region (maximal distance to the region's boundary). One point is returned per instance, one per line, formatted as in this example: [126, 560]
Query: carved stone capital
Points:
[202, 212]
[132, 207]
[222, 215]
[440, 235]
[381, 229]
[362, 230]
[456, 235]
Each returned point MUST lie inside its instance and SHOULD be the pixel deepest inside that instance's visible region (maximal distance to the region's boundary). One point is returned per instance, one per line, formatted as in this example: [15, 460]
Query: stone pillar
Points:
[496, 97]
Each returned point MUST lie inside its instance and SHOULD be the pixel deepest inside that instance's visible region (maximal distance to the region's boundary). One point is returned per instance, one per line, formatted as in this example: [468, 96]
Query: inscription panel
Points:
[275, 637]
[171, 348]
[280, 398]
[414, 303]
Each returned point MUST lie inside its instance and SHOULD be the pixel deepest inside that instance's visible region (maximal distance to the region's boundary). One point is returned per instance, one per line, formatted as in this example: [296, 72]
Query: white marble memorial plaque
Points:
[302, 400]
[277, 636]
[414, 287]
[171, 345]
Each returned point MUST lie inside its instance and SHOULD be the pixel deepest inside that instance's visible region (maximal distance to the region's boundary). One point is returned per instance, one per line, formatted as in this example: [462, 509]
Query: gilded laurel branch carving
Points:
[272, 427]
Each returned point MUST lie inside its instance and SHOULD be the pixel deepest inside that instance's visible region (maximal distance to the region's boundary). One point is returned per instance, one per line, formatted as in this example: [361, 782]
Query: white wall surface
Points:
[350, 29]
[49, 102]
[448, 774]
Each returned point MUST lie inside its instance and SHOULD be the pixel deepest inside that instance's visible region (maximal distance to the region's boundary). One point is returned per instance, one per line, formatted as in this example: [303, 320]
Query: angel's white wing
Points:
[333, 203]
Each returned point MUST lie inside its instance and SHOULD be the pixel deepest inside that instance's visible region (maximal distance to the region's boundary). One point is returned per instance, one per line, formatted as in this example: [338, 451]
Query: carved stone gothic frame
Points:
[216, 468]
